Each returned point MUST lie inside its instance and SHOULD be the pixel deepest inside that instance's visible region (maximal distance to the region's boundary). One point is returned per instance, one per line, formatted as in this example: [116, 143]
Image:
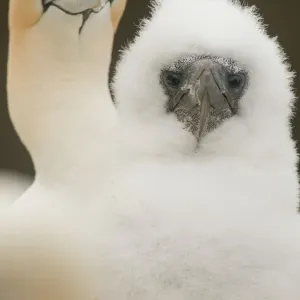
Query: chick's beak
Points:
[203, 89]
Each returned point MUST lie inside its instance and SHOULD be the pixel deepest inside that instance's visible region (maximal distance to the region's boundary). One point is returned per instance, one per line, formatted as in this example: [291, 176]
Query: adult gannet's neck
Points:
[58, 92]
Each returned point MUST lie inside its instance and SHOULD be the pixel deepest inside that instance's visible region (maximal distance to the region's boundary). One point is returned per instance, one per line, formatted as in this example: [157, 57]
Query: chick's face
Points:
[203, 63]
[203, 91]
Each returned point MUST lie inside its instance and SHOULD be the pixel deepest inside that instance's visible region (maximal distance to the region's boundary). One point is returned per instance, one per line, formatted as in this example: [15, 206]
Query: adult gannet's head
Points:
[208, 64]
[59, 58]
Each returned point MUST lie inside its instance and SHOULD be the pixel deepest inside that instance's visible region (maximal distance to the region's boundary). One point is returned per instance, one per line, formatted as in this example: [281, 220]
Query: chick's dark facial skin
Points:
[203, 91]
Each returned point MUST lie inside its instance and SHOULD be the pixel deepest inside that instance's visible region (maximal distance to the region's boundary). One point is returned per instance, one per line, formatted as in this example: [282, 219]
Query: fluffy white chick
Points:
[206, 214]
[256, 134]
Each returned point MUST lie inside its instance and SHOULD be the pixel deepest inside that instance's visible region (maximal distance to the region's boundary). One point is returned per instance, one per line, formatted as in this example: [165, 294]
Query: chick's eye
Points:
[235, 81]
[172, 80]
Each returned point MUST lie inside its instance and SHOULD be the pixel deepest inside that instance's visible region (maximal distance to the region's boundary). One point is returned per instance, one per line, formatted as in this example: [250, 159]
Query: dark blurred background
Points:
[282, 17]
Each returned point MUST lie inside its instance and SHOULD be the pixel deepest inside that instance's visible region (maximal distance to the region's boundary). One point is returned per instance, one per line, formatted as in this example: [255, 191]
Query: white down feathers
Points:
[221, 223]
[218, 223]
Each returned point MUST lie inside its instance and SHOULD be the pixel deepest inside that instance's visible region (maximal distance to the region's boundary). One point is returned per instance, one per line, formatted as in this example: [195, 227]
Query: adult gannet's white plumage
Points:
[57, 90]
[57, 75]
[196, 197]
[12, 186]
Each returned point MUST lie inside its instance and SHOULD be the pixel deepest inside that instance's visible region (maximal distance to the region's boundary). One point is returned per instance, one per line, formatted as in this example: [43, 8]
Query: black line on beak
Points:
[85, 16]
[177, 99]
[85, 13]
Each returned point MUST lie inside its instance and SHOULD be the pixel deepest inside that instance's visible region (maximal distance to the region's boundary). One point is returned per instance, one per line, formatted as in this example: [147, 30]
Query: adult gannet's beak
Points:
[86, 7]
